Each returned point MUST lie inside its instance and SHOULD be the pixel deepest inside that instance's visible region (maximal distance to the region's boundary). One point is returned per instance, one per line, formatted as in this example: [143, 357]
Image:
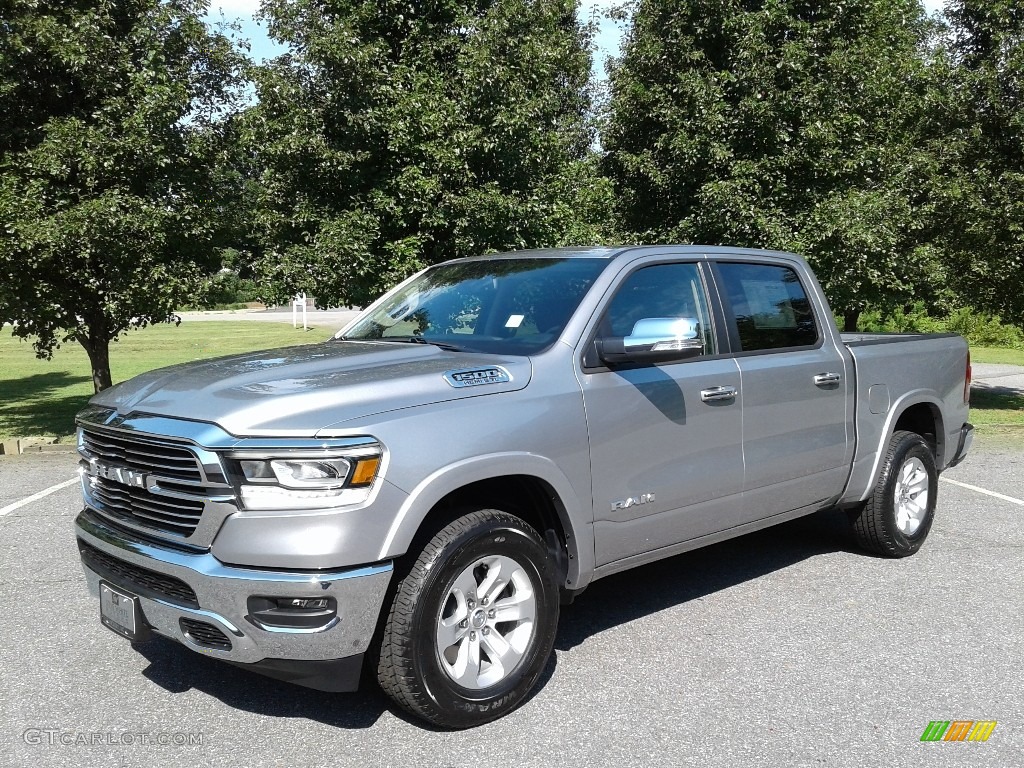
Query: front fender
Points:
[576, 520]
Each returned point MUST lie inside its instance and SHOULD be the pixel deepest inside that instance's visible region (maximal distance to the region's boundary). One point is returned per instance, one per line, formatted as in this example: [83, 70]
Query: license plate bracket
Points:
[120, 612]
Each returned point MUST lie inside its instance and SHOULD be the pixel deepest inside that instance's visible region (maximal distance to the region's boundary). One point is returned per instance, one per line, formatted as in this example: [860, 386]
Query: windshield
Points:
[517, 306]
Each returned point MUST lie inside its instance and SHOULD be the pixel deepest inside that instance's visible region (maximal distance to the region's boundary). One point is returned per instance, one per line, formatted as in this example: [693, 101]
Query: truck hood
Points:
[297, 391]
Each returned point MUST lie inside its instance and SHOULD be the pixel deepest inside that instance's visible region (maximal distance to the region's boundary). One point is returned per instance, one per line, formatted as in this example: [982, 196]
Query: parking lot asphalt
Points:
[784, 647]
[1000, 379]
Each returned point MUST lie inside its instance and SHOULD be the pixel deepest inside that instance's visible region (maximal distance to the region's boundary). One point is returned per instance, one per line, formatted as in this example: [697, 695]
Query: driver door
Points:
[665, 439]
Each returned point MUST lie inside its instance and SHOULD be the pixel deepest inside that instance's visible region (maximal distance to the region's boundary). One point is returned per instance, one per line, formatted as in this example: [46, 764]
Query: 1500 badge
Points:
[474, 377]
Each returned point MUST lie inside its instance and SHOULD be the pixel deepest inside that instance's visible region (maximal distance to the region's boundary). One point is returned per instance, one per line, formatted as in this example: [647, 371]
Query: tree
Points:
[781, 124]
[394, 135]
[980, 206]
[112, 125]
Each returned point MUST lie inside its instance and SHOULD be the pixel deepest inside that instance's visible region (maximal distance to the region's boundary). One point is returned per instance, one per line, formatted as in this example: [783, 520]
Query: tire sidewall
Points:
[465, 706]
[909, 447]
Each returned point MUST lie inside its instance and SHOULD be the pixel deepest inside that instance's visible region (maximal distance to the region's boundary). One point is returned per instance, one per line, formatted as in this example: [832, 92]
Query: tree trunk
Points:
[98, 349]
[850, 318]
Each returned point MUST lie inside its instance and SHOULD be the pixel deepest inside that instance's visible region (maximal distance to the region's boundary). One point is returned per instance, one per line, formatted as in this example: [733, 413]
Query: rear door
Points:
[797, 433]
[667, 461]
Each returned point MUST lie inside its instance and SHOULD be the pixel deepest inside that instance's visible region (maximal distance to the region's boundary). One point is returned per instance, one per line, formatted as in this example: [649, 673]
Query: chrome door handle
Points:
[714, 394]
[824, 379]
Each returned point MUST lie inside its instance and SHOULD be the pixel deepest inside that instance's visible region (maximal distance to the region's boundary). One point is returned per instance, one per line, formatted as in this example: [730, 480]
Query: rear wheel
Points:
[896, 518]
[473, 624]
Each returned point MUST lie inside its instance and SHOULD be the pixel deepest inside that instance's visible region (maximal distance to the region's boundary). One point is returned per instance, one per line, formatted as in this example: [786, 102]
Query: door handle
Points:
[715, 394]
[826, 379]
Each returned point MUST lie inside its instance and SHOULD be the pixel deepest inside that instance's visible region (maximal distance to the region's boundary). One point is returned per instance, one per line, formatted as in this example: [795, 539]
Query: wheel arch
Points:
[919, 411]
[924, 418]
[525, 485]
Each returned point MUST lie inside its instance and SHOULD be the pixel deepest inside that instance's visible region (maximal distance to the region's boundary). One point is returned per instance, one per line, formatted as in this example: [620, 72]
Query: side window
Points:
[770, 306]
[662, 290]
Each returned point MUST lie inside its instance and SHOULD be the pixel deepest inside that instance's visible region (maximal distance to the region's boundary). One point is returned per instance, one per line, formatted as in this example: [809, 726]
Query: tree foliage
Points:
[111, 150]
[980, 208]
[781, 124]
[394, 135]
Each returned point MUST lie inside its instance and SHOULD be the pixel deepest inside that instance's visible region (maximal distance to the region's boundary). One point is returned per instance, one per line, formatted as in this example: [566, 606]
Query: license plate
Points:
[120, 612]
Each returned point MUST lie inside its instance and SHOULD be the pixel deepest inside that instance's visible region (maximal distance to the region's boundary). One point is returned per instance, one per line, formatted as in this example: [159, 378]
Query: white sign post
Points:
[299, 301]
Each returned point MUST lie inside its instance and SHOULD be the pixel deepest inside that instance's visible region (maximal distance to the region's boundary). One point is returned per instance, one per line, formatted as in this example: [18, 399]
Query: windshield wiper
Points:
[416, 340]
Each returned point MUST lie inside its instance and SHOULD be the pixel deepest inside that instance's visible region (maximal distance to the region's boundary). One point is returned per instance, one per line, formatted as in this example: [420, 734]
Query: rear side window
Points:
[770, 306]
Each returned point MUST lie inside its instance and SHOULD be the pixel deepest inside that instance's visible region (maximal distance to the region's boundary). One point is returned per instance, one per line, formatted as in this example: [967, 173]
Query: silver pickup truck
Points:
[421, 494]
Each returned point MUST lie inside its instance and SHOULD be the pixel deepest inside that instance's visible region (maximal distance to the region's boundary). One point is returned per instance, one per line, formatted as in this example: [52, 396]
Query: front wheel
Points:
[473, 624]
[896, 518]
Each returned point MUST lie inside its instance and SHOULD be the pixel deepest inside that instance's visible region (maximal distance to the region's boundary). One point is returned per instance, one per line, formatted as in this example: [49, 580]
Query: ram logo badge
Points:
[632, 501]
[121, 475]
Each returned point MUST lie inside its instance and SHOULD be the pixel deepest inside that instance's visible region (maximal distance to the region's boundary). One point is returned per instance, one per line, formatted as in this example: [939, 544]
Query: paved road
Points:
[780, 648]
[1002, 379]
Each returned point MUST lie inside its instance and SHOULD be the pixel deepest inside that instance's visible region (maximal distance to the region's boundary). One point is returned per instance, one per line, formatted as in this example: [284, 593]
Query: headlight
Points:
[306, 479]
[300, 474]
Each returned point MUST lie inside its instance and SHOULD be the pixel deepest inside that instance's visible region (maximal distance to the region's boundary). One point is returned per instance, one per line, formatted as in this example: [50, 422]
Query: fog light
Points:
[307, 603]
[296, 613]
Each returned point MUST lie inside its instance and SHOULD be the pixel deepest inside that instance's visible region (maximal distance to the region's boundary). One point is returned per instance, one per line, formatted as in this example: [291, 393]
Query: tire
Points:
[896, 518]
[458, 656]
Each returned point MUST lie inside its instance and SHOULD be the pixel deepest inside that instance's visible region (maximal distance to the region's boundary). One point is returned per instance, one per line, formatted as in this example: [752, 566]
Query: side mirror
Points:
[654, 340]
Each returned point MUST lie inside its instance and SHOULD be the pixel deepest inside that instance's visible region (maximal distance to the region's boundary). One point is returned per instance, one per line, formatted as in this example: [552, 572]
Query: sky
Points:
[608, 36]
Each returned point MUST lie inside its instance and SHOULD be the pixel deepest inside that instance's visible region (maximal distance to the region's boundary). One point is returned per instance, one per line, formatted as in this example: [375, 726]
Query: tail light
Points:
[967, 380]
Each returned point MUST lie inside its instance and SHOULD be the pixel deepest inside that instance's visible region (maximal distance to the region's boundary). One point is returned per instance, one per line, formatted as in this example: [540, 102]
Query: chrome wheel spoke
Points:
[918, 484]
[466, 669]
[492, 579]
[906, 472]
[464, 586]
[519, 607]
[450, 627]
[502, 654]
[916, 506]
[450, 631]
[495, 589]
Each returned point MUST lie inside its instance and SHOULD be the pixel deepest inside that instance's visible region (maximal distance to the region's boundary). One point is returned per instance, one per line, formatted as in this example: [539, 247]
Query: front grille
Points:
[144, 481]
[137, 579]
[167, 513]
[201, 633]
[152, 457]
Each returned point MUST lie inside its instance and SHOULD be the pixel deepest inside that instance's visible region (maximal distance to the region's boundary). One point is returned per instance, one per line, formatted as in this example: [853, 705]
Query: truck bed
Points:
[887, 370]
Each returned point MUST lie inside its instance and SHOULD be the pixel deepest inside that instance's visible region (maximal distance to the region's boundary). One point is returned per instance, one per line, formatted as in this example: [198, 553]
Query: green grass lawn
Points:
[997, 412]
[997, 355]
[41, 397]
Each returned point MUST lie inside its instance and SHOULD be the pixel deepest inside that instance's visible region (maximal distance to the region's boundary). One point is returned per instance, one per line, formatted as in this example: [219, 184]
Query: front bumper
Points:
[173, 585]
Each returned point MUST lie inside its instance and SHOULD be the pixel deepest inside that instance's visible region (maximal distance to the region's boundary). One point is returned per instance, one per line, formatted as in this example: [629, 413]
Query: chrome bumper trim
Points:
[223, 592]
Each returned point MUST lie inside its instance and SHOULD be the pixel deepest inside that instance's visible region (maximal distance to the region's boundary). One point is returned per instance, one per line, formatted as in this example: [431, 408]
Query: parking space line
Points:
[987, 492]
[37, 496]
